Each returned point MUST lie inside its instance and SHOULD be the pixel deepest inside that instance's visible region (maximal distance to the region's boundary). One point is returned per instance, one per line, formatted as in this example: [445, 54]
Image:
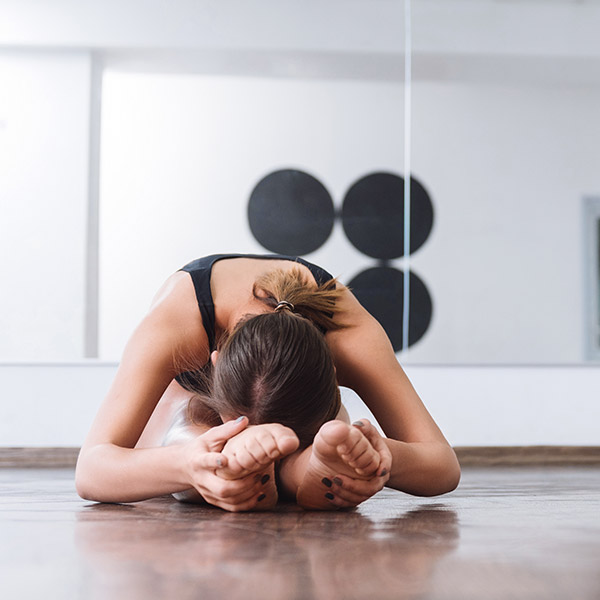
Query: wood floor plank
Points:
[526, 533]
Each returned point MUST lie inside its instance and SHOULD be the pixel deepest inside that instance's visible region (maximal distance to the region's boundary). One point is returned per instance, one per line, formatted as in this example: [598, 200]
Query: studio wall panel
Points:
[44, 129]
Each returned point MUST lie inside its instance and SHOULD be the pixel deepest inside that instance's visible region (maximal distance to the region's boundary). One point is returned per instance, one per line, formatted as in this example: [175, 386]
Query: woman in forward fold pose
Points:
[243, 355]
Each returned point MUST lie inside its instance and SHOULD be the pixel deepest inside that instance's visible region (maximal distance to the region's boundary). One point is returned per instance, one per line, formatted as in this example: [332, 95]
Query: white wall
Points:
[50, 404]
[512, 405]
[181, 155]
[44, 131]
[506, 166]
[474, 406]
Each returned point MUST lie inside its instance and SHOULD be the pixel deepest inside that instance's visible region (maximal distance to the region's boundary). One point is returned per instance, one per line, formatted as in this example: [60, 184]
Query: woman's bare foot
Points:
[254, 451]
[338, 449]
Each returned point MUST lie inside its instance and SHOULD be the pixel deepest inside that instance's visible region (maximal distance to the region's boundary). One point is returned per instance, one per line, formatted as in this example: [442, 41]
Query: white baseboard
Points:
[46, 405]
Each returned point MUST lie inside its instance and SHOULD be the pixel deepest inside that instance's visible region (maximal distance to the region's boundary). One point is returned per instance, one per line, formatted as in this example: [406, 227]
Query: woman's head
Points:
[276, 367]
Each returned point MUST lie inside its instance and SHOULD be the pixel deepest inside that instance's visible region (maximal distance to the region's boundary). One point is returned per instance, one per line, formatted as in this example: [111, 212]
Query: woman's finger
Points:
[216, 437]
[242, 507]
[341, 503]
[232, 488]
[343, 497]
[243, 495]
[378, 442]
[355, 490]
[210, 460]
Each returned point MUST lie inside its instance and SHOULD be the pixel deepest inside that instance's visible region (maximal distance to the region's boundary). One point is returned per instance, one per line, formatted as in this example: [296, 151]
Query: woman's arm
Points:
[109, 468]
[423, 463]
[149, 472]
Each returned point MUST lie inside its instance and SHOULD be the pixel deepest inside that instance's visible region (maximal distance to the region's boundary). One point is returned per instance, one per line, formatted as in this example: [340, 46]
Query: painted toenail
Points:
[261, 497]
[358, 424]
[337, 481]
[326, 481]
[329, 496]
[383, 473]
[265, 478]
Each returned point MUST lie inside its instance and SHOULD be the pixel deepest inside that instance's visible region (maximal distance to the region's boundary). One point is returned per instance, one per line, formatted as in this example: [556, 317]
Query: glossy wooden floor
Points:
[504, 534]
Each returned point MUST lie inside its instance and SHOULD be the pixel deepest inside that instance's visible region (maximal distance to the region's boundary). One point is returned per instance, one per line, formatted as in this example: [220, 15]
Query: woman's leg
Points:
[181, 431]
[164, 415]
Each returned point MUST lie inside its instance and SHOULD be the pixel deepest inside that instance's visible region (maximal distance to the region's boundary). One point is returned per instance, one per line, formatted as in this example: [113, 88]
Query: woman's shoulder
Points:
[361, 339]
[174, 314]
[174, 294]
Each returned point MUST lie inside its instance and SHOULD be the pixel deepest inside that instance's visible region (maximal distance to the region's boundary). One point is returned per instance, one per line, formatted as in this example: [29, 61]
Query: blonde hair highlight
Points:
[317, 303]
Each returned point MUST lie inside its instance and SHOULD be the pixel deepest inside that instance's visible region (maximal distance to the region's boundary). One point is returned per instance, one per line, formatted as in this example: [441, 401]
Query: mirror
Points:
[199, 123]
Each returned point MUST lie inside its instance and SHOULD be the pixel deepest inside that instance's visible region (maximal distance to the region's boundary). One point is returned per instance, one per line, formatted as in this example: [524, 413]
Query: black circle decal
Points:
[380, 290]
[373, 215]
[290, 212]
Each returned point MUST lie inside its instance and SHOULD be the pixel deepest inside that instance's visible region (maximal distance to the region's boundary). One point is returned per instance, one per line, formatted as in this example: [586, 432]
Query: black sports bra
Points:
[201, 269]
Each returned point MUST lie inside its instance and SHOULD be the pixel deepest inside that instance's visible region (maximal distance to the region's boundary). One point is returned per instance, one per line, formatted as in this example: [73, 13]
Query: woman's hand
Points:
[348, 491]
[204, 457]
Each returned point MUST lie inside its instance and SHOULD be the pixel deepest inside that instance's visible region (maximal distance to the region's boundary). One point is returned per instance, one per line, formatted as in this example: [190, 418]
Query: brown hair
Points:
[315, 303]
[276, 367]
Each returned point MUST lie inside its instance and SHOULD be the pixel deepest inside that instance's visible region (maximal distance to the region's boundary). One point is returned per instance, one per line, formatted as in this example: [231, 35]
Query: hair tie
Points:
[284, 304]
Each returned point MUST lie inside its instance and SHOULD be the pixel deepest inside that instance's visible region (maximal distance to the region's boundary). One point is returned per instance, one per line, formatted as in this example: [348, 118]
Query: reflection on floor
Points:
[521, 533]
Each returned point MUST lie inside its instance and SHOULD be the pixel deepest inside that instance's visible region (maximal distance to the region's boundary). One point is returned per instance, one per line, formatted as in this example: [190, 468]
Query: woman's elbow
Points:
[445, 477]
[84, 479]
[453, 477]
[441, 477]
[82, 488]
[451, 473]
[81, 483]
[83, 491]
